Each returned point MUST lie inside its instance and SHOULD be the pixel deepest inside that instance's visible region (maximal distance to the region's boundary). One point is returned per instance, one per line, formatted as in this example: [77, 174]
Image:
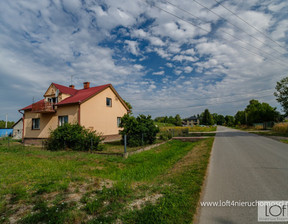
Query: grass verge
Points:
[157, 186]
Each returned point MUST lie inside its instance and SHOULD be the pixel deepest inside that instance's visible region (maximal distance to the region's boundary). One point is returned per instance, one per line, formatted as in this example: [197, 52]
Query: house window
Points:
[35, 123]
[118, 121]
[108, 102]
[62, 120]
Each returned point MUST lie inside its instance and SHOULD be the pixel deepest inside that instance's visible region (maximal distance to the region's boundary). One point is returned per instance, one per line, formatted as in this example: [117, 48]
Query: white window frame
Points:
[62, 120]
[118, 121]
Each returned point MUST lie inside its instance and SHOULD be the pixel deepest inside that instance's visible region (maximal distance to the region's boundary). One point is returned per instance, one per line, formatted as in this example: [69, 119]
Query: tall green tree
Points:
[282, 94]
[139, 130]
[219, 119]
[260, 112]
[240, 117]
[171, 120]
[207, 118]
[229, 120]
[9, 124]
[128, 105]
[178, 120]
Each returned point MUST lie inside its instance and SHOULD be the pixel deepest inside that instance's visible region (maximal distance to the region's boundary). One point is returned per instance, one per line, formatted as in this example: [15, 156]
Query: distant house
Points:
[191, 121]
[18, 129]
[97, 108]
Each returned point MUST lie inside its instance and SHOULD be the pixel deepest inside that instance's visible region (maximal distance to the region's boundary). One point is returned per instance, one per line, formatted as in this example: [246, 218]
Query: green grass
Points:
[202, 129]
[117, 147]
[284, 141]
[67, 187]
[270, 133]
[160, 125]
[190, 129]
[181, 197]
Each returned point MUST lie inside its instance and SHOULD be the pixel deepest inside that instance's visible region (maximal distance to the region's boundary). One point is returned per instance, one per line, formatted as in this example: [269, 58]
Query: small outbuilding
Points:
[18, 129]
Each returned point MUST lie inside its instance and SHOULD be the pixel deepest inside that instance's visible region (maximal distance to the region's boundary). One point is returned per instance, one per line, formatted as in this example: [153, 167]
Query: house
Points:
[191, 121]
[97, 108]
[18, 129]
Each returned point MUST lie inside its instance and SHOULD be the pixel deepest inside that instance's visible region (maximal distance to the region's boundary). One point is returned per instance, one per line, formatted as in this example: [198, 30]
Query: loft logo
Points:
[275, 211]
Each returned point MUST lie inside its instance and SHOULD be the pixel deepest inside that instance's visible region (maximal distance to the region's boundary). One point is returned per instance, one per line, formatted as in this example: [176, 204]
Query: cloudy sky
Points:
[164, 57]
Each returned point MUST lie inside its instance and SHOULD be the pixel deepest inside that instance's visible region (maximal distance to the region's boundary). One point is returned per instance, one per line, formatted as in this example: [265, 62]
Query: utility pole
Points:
[6, 120]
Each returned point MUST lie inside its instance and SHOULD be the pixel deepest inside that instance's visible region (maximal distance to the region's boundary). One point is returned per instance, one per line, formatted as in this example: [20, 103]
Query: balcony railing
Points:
[43, 107]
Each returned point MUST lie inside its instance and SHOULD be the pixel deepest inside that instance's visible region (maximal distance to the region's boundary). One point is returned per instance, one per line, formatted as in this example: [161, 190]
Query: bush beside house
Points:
[75, 137]
[139, 131]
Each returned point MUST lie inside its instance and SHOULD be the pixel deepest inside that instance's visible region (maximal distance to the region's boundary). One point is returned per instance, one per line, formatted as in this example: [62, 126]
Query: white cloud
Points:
[183, 57]
[41, 43]
[170, 65]
[188, 69]
[277, 7]
[132, 47]
[159, 73]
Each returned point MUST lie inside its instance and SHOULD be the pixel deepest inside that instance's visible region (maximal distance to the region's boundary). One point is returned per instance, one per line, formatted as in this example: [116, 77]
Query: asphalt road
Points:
[243, 167]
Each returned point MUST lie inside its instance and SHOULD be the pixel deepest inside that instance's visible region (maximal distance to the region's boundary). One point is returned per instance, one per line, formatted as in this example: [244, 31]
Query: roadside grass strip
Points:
[157, 186]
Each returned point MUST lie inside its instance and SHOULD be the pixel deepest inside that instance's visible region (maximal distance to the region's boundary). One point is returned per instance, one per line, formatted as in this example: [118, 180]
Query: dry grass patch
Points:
[193, 157]
[140, 203]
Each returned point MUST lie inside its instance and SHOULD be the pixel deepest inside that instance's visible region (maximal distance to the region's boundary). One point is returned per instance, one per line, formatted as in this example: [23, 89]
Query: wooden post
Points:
[125, 147]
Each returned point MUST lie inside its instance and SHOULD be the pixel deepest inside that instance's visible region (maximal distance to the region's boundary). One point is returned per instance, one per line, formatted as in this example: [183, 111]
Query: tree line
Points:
[255, 112]
[9, 124]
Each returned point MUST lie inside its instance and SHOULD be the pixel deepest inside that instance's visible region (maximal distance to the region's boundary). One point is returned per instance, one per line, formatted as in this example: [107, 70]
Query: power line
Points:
[225, 102]
[223, 31]
[233, 13]
[210, 104]
[232, 101]
[230, 33]
[209, 98]
[239, 28]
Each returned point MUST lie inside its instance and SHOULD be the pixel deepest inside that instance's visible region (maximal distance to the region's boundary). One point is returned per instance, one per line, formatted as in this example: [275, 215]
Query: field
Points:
[157, 186]
[160, 125]
[191, 129]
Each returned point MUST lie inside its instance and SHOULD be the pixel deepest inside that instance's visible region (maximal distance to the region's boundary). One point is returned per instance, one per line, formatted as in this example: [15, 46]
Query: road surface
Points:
[243, 168]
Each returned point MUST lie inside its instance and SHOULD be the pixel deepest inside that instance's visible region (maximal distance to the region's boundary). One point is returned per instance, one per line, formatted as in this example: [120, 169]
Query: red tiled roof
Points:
[30, 106]
[77, 96]
[83, 94]
[65, 89]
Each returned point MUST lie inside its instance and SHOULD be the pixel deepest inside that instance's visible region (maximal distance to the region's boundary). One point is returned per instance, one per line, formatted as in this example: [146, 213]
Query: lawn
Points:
[117, 147]
[157, 186]
[194, 131]
[160, 124]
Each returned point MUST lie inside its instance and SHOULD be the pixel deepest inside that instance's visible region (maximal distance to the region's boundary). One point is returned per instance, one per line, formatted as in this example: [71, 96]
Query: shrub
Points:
[185, 131]
[165, 136]
[259, 127]
[281, 128]
[75, 137]
[140, 130]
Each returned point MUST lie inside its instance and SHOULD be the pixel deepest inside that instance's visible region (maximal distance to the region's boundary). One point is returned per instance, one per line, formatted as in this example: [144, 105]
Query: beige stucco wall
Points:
[48, 121]
[50, 91]
[95, 115]
[62, 96]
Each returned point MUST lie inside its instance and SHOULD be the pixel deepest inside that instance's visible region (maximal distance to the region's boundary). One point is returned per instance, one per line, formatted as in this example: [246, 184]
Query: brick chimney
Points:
[72, 86]
[86, 85]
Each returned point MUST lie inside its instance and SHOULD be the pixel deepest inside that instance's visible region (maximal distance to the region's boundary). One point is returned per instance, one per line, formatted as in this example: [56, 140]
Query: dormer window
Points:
[52, 100]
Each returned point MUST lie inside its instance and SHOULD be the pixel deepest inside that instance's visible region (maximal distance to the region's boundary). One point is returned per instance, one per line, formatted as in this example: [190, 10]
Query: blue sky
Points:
[160, 63]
